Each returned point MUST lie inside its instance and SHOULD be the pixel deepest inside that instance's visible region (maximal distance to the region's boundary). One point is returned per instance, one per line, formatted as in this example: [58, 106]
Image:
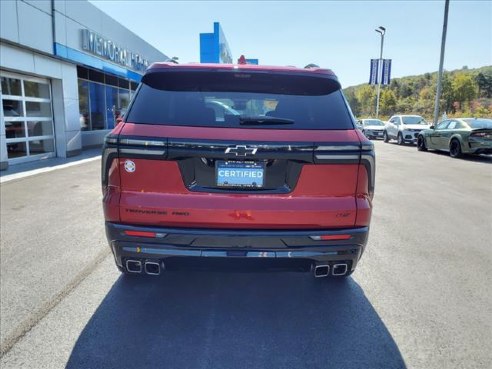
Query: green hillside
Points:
[466, 92]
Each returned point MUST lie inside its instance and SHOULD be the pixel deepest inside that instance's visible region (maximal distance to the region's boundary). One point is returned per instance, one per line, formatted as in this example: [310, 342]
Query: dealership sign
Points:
[98, 45]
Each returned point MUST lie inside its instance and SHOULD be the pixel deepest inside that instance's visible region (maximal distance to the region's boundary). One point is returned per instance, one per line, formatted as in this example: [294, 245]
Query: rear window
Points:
[373, 122]
[240, 100]
[478, 123]
[414, 119]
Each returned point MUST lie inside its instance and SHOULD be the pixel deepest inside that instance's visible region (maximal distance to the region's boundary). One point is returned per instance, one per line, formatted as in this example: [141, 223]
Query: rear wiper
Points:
[260, 120]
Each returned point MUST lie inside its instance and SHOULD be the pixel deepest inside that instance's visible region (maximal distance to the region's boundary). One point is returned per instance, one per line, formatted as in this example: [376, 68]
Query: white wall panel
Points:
[93, 138]
[70, 85]
[34, 28]
[73, 141]
[46, 66]
[16, 59]
[43, 5]
[59, 117]
[60, 6]
[60, 28]
[84, 13]
[8, 21]
[72, 114]
[73, 34]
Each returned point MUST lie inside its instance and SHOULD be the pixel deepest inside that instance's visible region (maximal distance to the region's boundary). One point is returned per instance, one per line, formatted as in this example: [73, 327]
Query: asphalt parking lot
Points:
[420, 298]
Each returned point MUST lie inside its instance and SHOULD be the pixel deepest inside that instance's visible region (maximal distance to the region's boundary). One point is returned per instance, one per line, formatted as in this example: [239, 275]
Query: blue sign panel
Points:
[252, 61]
[214, 47]
[91, 61]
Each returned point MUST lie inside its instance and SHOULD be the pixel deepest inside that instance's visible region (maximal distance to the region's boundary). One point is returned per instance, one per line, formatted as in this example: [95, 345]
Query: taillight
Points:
[331, 237]
[109, 153]
[479, 134]
[145, 234]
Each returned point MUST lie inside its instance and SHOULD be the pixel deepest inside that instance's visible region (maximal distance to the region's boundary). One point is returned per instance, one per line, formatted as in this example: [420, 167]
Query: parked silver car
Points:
[371, 127]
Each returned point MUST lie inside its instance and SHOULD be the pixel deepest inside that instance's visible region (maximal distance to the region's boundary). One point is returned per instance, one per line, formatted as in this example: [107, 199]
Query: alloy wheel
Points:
[455, 149]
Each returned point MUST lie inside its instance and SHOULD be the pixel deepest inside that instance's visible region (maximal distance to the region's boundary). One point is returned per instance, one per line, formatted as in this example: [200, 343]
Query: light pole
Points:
[381, 30]
[441, 62]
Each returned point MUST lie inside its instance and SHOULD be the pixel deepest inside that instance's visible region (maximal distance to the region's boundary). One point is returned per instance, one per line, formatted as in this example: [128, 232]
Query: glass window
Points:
[38, 109]
[43, 128]
[111, 106]
[413, 119]
[123, 98]
[41, 146]
[100, 104]
[452, 125]
[123, 83]
[111, 80]
[97, 105]
[29, 128]
[34, 89]
[11, 86]
[96, 76]
[85, 118]
[82, 72]
[300, 103]
[443, 125]
[16, 149]
[15, 129]
[373, 122]
[12, 108]
[479, 123]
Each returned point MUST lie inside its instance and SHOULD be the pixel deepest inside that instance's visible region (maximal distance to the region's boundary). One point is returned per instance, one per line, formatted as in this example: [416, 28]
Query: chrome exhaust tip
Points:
[321, 271]
[152, 268]
[134, 266]
[339, 269]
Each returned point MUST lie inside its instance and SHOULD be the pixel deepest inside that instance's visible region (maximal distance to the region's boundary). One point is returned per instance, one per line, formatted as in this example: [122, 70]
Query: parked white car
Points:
[371, 128]
[404, 128]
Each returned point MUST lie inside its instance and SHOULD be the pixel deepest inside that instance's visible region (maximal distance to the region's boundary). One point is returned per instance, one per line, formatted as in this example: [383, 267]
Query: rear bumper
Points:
[276, 249]
[478, 147]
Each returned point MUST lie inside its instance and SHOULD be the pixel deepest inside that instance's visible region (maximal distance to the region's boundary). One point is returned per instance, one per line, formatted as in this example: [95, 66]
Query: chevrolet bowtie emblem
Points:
[241, 150]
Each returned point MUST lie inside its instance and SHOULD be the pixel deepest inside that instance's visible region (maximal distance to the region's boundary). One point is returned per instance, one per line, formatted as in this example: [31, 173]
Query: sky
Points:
[332, 34]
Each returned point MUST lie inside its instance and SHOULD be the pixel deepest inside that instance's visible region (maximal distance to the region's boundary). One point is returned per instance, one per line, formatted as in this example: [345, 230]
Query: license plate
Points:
[239, 174]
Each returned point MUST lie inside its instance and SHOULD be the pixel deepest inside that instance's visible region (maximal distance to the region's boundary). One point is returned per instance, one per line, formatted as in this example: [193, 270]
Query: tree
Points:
[367, 99]
[484, 82]
[464, 88]
[447, 95]
[388, 102]
[353, 101]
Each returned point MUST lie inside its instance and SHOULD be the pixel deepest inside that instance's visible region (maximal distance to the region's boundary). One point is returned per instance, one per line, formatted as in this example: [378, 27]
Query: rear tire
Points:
[400, 139]
[455, 148]
[421, 146]
[385, 137]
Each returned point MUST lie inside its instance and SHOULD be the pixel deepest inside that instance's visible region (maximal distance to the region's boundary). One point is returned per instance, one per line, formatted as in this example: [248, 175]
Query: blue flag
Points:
[373, 78]
[386, 72]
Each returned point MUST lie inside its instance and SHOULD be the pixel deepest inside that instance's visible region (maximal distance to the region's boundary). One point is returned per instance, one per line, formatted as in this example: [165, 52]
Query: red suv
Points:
[238, 165]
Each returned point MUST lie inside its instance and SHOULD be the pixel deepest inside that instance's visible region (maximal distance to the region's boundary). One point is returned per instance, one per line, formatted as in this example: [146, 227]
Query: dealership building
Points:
[68, 70]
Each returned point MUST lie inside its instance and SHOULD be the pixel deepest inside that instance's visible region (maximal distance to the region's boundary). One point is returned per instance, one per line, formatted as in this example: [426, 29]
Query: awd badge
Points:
[130, 166]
